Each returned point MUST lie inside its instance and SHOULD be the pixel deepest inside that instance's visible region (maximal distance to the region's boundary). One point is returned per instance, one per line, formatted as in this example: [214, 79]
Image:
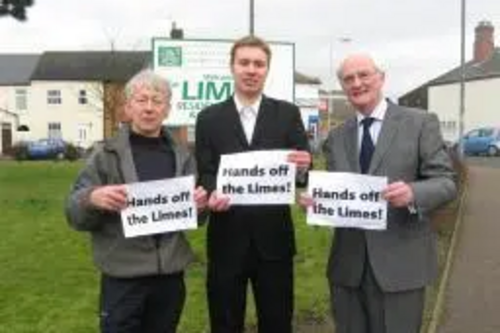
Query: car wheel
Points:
[492, 151]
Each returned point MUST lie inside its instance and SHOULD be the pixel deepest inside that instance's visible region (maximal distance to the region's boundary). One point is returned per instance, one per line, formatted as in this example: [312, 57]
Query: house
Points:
[79, 95]
[337, 109]
[15, 72]
[482, 86]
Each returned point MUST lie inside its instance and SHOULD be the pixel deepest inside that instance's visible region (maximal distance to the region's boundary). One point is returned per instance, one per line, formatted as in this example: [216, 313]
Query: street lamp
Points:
[342, 40]
[462, 82]
[252, 17]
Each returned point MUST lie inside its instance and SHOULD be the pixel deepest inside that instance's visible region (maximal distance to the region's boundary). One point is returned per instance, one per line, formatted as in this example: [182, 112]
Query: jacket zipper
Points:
[156, 239]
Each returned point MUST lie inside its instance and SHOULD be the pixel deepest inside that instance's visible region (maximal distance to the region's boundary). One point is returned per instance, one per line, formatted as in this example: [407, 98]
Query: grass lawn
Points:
[48, 281]
[49, 284]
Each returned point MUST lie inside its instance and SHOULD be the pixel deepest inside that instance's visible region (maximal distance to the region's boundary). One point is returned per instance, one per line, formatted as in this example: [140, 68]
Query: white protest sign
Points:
[160, 206]
[347, 200]
[257, 178]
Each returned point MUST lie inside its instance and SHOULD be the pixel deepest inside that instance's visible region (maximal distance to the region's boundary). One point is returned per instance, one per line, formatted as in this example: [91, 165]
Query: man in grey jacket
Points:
[142, 283]
[378, 278]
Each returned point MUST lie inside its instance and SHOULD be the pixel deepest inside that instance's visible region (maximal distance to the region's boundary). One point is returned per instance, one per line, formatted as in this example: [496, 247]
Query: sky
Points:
[413, 40]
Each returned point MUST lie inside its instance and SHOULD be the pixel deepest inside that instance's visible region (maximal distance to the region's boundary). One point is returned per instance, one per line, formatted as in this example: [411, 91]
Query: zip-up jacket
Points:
[112, 163]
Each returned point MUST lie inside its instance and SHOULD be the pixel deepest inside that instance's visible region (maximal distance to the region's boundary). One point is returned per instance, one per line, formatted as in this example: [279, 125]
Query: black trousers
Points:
[272, 285]
[151, 304]
[368, 309]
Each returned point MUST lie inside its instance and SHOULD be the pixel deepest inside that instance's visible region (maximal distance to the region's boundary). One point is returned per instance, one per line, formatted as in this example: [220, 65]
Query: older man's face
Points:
[147, 108]
[362, 82]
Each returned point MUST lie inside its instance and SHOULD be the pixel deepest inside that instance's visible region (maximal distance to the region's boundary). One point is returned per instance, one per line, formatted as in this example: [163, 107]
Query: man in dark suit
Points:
[377, 278]
[249, 243]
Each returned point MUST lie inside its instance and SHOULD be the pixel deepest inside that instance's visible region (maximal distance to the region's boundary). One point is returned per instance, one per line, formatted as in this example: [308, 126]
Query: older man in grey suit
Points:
[377, 278]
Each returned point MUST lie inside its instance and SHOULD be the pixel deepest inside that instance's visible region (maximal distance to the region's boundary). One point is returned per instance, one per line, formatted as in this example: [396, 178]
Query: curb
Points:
[437, 311]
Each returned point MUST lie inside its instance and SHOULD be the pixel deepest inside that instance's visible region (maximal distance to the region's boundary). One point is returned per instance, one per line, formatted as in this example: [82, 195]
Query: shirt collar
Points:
[255, 105]
[378, 113]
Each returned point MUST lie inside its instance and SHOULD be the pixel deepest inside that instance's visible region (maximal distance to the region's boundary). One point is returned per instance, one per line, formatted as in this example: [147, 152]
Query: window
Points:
[473, 134]
[54, 97]
[54, 131]
[448, 125]
[21, 100]
[82, 134]
[486, 132]
[82, 97]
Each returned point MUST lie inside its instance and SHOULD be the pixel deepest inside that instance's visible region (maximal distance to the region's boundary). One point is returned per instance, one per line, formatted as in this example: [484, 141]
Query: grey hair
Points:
[376, 63]
[151, 79]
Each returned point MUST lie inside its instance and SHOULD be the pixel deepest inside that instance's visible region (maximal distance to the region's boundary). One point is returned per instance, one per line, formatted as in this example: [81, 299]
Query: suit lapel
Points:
[385, 138]
[351, 144]
[233, 120]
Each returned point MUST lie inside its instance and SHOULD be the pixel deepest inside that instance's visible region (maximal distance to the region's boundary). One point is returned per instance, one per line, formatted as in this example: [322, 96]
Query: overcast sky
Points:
[414, 40]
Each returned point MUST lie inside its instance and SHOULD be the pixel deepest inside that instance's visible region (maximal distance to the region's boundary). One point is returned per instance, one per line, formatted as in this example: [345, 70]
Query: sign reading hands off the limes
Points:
[347, 200]
[257, 178]
[160, 206]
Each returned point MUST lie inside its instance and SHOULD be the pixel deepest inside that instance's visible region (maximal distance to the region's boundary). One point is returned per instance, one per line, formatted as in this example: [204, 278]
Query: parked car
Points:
[482, 141]
[46, 149]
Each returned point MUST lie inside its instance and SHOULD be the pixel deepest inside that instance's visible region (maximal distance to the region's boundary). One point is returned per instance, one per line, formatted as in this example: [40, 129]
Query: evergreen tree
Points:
[15, 8]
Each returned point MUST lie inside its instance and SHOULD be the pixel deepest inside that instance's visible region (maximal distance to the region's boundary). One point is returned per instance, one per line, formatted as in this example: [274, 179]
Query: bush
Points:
[72, 152]
[19, 152]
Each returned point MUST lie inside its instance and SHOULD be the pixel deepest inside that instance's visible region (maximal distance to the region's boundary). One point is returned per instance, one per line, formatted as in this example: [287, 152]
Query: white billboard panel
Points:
[200, 75]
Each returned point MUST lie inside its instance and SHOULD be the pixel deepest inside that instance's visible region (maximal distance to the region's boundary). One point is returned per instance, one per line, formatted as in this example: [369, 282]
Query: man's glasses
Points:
[362, 76]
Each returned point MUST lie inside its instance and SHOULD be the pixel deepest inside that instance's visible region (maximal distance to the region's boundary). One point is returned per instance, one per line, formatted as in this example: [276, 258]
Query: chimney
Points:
[176, 33]
[484, 44]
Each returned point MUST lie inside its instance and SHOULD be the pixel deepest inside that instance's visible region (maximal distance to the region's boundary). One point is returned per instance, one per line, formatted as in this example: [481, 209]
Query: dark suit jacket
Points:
[409, 148]
[219, 131]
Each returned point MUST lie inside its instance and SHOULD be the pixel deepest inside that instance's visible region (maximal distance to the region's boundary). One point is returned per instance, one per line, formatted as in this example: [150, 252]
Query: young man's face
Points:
[146, 109]
[249, 68]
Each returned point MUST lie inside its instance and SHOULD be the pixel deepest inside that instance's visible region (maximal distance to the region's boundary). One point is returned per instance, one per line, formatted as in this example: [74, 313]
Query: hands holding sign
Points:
[302, 159]
[200, 198]
[161, 206]
[352, 200]
[398, 194]
[114, 197]
[347, 200]
[218, 202]
[109, 197]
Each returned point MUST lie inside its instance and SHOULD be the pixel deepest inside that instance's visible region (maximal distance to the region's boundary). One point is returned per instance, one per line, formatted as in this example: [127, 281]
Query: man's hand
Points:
[218, 202]
[302, 159]
[398, 194]
[305, 200]
[200, 197]
[109, 197]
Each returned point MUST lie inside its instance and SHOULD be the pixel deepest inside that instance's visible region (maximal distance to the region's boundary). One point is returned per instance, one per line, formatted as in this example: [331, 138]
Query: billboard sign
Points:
[199, 73]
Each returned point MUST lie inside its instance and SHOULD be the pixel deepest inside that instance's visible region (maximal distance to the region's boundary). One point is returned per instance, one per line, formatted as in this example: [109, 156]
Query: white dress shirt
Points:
[248, 115]
[379, 114]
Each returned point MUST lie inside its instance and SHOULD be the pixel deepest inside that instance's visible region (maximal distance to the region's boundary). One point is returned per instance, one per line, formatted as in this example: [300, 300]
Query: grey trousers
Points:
[368, 309]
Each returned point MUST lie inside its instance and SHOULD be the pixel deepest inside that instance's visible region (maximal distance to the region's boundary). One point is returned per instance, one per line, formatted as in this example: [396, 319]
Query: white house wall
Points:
[72, 116]
[11, 114]
[3, 97]
[482, 106]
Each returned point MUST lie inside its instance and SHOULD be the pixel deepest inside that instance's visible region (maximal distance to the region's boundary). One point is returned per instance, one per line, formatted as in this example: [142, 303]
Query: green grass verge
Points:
[49, 283]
